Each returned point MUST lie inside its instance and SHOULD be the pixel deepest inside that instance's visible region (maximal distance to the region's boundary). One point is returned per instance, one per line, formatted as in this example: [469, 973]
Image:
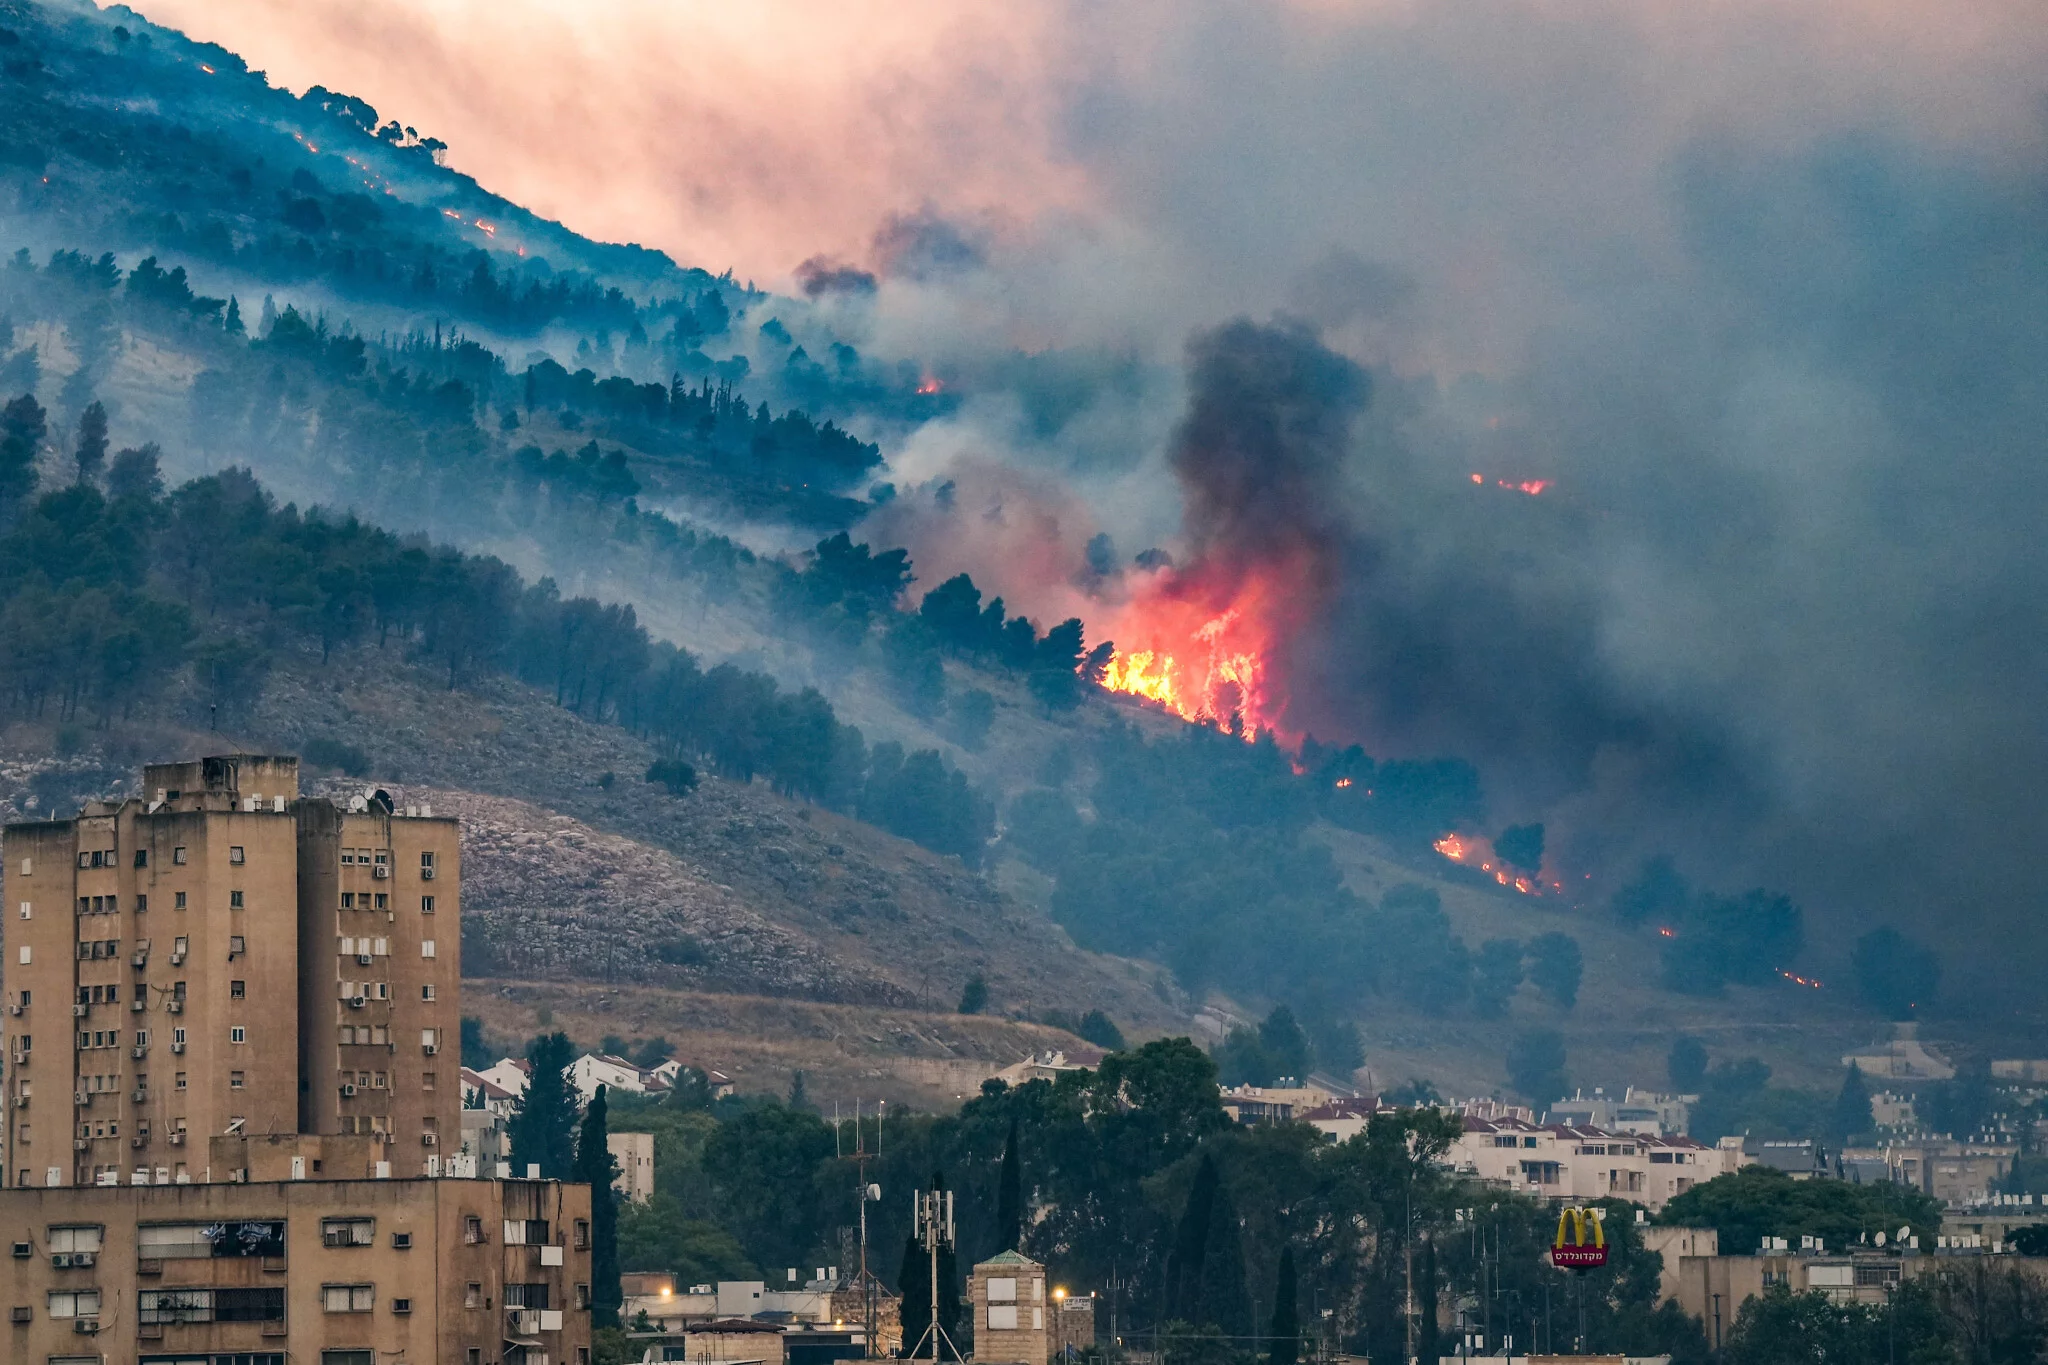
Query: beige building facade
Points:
[1009, 1300]
[222, 957]
[361, 1272]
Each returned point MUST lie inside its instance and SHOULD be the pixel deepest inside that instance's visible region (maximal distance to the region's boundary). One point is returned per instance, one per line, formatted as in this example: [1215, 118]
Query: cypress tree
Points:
[595, 1167]
[1223, 1296]
[91, 455]
[543, 1123]
[1190, 1245]
[914, 1282]
[1852, 1107]
[1285, 1345]
[1428, 1345]
[1010, 1197]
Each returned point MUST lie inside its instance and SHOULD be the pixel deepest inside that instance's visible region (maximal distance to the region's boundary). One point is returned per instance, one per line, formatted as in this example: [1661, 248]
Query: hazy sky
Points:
[1761, 287]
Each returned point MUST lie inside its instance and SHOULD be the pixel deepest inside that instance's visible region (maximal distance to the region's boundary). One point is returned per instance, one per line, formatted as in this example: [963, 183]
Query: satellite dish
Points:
[1904, 1233]
[1880, 1239]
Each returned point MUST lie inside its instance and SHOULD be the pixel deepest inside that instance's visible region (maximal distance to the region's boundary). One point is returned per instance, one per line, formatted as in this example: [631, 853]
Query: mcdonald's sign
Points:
[1581, 1240]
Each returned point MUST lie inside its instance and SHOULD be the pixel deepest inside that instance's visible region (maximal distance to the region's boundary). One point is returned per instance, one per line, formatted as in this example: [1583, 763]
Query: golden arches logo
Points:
[1581, 1242]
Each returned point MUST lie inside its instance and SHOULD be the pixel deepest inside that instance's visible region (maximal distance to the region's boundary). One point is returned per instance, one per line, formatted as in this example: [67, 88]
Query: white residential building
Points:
[1560, 1161]
[1631, 1111]
[594, 1069]
[481, 1092]
[509, 1074]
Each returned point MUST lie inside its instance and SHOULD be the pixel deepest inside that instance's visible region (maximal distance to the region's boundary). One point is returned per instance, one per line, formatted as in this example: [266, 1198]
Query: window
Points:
[427, 866]
[1002, 1290]
[235, 900]
[186, 1241]
[1002, 1317]
[81, 1303]
[348, 1232]
[178, 1037]
[473, 1295]
[383, 901]
[348, 900]
[178, 900]
[173, 1306]
[238, 1034]
[526, 1295]
[238, 990]
[68, 1238]
[235, 855]
[348, 1357]
[427, 992]
[348, 857]
[426, 947]
[28, 910]
[582, 1234]
[347, 1298]
[237, 946]
[179, 1083]
[181, 945]
[583, 1296]
[401, 1241]
[401, 1305]
[472, 1230]
[426, 905]
[475, 1356]
[235, 1079]
[142, 905]
[429, 1037]
[142, 857]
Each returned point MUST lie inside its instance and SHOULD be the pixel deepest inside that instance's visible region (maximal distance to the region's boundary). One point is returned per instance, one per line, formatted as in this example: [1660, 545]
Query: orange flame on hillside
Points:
[1205, 665]
[1470, 850]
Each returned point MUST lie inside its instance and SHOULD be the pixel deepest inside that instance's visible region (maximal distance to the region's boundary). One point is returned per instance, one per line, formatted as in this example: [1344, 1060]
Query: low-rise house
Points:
[1644, 1112]
[594, 1069]
[1273, 1103]
[509, 1074]
[481, 1092]
[716, 1081]
[1958, 1172]
[1342, 1119]
[1046, 1066]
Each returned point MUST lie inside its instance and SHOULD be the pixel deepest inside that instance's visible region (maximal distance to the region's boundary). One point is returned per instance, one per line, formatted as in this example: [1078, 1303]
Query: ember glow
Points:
[1471, 850]
[1799, 980]
[1530, 486]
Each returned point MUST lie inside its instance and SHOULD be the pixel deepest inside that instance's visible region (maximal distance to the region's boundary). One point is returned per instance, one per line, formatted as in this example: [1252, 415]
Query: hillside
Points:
[413, 369]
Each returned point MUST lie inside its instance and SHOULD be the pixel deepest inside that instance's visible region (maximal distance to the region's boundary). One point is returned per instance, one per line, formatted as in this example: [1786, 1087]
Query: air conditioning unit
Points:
[430, 1048]
[356, 1002]
[178, 1138]
[136, 1006]
[426, 874]
[364, 959]
[141, 959]
[348, 1090]
[429, 1140]
[138, 1095]
[16, 1010]
[138, 1053]
[81, 1097]
[21, 1101]
[177, 959]
[62, 1260]
[20, 1313]
[80, 1011]
[175, 1005]
[177, 1049]
[22, 1251]
[84, 1260]
[381, 873]
[139, 1140]
[86, 1327]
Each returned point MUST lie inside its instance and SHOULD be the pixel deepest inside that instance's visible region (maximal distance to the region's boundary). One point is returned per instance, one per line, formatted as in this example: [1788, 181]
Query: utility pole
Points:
[863, 1193]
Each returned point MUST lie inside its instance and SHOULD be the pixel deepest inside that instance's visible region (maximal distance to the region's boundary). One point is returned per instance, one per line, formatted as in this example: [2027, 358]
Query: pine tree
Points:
[596, 1168]
[797, 1098]
[1285, 1333]
[1852, 1107]
[92, 442]
[1010, 1198]
[234, 318]
[543, 1124]
[1224, 1296]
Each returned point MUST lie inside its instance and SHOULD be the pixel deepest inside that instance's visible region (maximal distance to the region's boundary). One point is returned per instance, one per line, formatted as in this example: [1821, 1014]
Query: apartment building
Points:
[1561, 1161]
[380, 974]
[357, 1272]
[221, 956]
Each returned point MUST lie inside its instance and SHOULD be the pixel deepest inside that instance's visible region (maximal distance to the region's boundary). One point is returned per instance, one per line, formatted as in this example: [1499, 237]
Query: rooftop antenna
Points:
[864, 1194]
[933, 1213]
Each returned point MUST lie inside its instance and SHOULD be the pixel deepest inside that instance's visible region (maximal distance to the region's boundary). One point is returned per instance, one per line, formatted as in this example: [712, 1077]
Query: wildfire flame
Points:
[929, 385]
[1469, 850]
[1218, 677]
[1797, 979]
[1530, 486]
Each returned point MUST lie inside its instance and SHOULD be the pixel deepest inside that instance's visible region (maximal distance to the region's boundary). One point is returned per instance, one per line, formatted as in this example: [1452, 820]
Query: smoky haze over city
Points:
[1752, 296]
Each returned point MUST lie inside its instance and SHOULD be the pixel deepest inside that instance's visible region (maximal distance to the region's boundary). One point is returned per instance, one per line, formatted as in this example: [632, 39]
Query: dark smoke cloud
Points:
[1784, 607]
